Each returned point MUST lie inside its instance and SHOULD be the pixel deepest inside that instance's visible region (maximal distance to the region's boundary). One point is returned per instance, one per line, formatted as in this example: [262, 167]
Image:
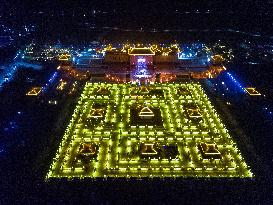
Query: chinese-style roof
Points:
[97, 113]
[141, 51]
[209, 150]
[252, 91]
[64, 57]
[147, 149]
[87, 149]
[194, 113]
[146, 112]
[35, 91]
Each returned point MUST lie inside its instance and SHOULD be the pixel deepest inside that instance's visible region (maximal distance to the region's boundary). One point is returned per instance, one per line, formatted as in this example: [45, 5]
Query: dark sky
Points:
[139, 6]
[240, 14]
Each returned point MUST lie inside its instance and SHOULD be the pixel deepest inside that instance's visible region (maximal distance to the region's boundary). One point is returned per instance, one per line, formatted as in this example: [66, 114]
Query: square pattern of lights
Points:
[157, 130]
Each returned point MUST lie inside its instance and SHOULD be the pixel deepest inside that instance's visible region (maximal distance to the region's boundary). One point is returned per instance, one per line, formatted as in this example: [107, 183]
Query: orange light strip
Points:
[252, 91]
[34, 91]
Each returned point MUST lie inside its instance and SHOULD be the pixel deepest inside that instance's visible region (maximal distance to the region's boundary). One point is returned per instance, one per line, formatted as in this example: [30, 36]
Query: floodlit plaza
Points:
[156, 130]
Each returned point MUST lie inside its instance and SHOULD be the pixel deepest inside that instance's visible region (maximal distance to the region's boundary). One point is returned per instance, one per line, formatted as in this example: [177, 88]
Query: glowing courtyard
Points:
[156, 130]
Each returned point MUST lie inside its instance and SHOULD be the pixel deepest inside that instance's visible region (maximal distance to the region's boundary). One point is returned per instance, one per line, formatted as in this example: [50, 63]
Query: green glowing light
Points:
[109, 127]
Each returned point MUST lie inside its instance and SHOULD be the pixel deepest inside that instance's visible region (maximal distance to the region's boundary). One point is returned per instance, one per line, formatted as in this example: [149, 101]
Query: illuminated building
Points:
[193, 113]
[119, 142]
[61, 85]
[252, 91]
[64, 57]
[209, 150]
[146, 113]
[217, 59]
[96, 113]
[147, 149]
[192, 60]
[141, 70]
[146, 54]
[35, 91]
[87, 151]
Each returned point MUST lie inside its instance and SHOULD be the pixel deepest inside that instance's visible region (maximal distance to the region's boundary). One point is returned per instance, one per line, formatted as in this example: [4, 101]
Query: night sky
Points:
[24, 7]
[246, 15]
